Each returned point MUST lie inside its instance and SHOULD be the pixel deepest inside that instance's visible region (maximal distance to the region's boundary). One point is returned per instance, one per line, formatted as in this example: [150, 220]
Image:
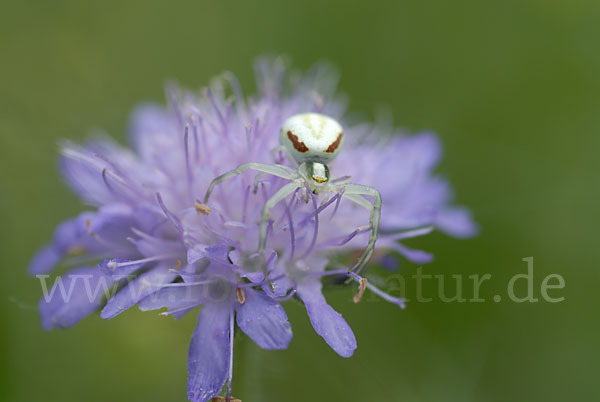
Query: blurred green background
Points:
[513, 89]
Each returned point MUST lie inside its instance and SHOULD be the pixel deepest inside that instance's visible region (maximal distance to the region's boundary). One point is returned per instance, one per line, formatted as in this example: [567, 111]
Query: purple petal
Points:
[91, 233]
[148, 245]
[114, 223]
[416, 256]
[151, 128]
[177, 298]
[44, 261]
[457, 222]
[264, 321]
[70, 236]
[196, 252]
[208, 358]
[280, 285]
[72, 297]
[73, 233]
[281, 282]
[96, 171]
[83, 173]
[144, 285]
[389, 262]
[254, 277]
[218, 252]
[424, 148]
[326, 321]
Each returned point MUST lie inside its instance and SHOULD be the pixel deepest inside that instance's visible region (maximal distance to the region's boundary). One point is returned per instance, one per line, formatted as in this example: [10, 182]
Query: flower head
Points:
[151, 238]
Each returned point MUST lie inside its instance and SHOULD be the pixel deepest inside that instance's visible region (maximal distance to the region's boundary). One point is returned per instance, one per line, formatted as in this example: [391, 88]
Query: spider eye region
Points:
[311, 137]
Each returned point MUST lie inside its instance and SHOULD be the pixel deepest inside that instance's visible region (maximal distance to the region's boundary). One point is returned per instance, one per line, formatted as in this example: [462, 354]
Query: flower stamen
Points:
[172, 217]
[225, 399]
[114, 264]
[362, 286]
[202, 209]
[241, 295]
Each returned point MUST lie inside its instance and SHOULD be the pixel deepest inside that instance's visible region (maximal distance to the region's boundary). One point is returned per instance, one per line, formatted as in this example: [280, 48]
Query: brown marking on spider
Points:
[335, 144]
[298, 145]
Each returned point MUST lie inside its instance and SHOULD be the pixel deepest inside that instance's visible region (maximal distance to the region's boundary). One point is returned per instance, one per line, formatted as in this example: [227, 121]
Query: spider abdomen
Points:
[311, 137]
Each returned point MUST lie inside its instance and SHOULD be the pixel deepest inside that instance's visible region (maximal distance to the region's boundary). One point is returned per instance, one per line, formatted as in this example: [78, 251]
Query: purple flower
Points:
[151, 239]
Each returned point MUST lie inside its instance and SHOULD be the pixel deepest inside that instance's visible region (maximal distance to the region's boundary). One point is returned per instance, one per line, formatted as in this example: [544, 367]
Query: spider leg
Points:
[354, 192]
[286, 153]
[276, 198]
[276, 170]
[339, 179]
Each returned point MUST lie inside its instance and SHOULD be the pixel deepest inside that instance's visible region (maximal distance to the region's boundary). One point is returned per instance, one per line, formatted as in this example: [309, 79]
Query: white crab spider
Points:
[310, 141]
